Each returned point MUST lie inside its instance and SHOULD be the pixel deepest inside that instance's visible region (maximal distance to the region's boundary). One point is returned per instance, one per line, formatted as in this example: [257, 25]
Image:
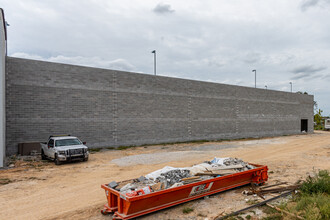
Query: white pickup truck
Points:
[64, 148]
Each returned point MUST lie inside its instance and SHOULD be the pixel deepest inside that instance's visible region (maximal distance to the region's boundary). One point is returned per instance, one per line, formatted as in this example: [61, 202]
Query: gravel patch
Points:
[155, 158]
[163, 157]
[262, 141]
[212, 147]
[186, 152]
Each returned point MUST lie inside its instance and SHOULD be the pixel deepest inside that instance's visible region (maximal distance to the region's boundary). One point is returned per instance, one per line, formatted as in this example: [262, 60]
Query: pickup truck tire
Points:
[57, 162]
[43, 156]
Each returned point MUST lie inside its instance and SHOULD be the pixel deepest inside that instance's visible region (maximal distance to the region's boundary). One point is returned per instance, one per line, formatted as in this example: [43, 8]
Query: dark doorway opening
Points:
[304, 123]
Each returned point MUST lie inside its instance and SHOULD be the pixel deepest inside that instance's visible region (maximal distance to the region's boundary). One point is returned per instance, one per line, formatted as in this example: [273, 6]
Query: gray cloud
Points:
[163, 9]
[301, 76]
[306, 71]
[306, 4]
[326, 76]
[252, 58]
[118, 64]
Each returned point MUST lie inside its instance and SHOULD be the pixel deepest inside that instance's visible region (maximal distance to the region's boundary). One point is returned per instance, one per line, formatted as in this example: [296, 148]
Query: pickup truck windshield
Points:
[67, 142]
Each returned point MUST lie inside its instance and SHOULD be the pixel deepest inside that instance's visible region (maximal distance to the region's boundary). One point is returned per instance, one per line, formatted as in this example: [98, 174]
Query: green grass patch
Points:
[314, 206]
[172, 143]
[252, 201]
[313, 201]
[276, 216]
[268, 210]
[187, 210]
[5, 181]
[94, 149]
[98, 149]
[125, 147]
[283, 205]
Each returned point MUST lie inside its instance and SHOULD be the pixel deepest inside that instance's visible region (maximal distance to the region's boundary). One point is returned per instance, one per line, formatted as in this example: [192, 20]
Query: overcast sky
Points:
[217, 41]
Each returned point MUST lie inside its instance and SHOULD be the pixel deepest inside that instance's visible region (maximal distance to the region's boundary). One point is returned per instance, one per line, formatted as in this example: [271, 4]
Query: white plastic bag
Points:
[219, 161]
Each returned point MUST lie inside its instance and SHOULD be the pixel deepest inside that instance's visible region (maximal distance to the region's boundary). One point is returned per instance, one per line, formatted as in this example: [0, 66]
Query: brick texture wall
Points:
[114, 108]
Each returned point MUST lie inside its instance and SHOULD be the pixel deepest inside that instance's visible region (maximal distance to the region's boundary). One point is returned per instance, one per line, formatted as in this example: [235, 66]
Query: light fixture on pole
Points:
[255, 78]
[266, 87]
[291, 86]
[154, 52]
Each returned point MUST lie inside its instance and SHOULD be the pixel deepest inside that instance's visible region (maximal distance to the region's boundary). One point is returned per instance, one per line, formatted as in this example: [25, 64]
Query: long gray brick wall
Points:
[114, 108]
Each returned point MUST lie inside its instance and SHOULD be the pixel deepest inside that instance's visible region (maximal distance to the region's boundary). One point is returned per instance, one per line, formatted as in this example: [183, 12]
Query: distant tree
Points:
[318, 120]
[299, 92]
[315, 107]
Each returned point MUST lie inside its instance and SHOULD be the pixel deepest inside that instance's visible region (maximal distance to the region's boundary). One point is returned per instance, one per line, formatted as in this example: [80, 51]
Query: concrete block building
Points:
[109, 108]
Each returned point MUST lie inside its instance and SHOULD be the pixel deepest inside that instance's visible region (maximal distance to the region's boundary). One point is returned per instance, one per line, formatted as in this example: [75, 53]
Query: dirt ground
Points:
[42, 190]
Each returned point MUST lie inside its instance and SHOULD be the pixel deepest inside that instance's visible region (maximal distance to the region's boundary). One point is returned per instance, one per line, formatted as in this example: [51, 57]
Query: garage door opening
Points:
[304, 123]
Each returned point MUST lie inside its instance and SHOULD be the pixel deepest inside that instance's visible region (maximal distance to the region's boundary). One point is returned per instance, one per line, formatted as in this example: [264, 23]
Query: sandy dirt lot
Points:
[41, 190]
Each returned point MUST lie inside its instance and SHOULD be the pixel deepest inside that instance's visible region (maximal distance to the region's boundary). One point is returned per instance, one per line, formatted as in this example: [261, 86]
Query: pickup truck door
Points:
[50, 149]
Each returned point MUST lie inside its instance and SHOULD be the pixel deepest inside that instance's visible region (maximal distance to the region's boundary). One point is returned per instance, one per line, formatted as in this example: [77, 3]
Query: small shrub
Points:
[318, 184]
[314, 201]
[187, 210]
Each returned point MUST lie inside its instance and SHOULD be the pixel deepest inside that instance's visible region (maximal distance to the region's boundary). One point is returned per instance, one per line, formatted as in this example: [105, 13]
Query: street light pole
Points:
[291, 86]
[266, 87]
[255, 78]
[154, 52]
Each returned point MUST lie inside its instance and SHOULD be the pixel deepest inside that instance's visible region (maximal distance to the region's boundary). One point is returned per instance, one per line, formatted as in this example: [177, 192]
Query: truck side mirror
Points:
[84, 142]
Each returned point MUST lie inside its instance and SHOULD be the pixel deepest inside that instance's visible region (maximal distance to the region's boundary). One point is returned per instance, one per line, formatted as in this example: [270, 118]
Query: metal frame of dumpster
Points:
[125, 207]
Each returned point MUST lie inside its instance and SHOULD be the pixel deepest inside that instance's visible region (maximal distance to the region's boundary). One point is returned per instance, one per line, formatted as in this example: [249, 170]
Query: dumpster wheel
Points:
[105, 212]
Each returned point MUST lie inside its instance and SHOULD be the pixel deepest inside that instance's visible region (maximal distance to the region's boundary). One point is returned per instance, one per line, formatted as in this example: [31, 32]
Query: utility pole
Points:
[154, 52]
[255, 78]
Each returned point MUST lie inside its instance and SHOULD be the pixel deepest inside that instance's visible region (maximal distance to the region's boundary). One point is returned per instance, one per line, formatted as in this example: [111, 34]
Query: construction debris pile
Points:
[173, 176]
[274, 188]
[235, 161]
[169, 177]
